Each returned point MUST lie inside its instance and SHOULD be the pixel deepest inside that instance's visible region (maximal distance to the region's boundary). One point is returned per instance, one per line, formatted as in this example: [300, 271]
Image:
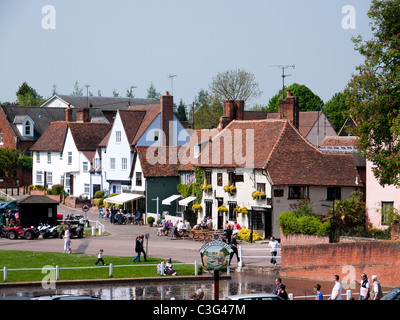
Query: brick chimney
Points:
[167, 112]
[68, 114]
[239, 106]
[82, 115]
[289, 109]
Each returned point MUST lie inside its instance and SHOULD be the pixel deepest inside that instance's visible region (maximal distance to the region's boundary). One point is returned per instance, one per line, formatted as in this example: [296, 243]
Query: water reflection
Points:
[238, 284]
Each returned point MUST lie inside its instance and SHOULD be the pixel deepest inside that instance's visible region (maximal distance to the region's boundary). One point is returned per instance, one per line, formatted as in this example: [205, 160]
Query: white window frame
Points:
[124, 163]
[117, 136]
[69, 157]
[112, 163]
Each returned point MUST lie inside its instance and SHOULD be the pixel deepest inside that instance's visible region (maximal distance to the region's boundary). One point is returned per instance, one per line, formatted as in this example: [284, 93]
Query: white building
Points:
[64, 155]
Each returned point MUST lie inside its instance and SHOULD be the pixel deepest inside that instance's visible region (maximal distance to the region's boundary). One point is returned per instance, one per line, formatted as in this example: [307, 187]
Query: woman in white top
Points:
[66, 238]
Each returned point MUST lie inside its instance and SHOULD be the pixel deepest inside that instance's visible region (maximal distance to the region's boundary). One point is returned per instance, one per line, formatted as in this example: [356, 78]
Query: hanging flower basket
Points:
[258, 195]
[206, 187]
[230, 189]
[243, 210]
[222, 209]
[197, 207]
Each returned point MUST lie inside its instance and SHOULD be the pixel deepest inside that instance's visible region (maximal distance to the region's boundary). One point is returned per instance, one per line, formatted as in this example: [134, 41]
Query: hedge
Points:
[291, 223]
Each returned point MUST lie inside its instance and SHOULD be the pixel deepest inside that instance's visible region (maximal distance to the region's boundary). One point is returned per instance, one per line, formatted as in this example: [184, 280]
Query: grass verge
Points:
[28, 259]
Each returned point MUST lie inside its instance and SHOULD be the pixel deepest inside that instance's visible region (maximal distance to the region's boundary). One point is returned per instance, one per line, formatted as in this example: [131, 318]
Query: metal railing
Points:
[111, 267]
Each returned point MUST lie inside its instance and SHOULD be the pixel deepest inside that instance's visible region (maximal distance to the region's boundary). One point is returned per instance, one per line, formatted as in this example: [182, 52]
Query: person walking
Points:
[365, 285]
[273, 244]
[376, 291]
[234, 247]
[317, 289]
[142, 248]
[67, 243]
[100, 257]
[137, 249]
[336, 290]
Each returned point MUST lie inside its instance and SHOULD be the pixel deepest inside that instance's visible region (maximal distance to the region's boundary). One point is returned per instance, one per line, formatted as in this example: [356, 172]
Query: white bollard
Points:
[111, 270]
[99, 231]
[162, 268]
[290, 296]
[348, 294]
[57, 272]
[93, 231]
[228, 271]
[5, 274]
[241, 262]
[196, 267]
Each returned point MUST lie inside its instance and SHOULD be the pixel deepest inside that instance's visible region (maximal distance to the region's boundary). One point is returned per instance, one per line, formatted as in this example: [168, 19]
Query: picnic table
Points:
[205, 235]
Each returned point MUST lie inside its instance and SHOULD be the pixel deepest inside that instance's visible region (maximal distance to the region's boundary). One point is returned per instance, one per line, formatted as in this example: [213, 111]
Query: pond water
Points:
[238, 284]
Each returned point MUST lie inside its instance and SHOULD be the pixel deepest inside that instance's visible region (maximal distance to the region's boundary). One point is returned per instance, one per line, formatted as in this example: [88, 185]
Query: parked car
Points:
[254, 296]
[393, 294]
[65, 297]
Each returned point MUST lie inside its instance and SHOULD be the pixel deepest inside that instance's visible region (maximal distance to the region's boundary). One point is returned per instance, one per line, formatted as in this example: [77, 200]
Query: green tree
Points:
[308, 100]
[208, 111]
[78, 91]
[373, 93]
[8, 162]
[152, 92]
[182, 111]
[235, 84]
[337, 110]
[27, 96]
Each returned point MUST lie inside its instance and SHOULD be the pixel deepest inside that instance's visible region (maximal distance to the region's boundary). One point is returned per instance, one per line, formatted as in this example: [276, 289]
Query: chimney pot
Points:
[288, 93]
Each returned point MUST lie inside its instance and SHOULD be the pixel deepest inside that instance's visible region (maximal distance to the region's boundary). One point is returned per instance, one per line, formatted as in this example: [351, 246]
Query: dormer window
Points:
[25, 125]
[28, 128]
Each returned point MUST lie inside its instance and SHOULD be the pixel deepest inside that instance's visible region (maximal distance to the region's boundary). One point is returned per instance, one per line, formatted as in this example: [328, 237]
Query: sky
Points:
[113, 45]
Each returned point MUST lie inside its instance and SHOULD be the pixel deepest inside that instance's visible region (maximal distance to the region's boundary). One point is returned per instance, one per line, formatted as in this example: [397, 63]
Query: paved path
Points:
[121, 242]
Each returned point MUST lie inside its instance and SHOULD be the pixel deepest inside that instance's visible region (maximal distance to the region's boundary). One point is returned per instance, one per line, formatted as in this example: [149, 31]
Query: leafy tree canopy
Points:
[374, 92]
[308, 100]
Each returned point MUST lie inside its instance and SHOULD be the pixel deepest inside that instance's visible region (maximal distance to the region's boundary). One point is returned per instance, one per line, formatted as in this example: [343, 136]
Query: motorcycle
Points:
[75, 231]
[48, 231]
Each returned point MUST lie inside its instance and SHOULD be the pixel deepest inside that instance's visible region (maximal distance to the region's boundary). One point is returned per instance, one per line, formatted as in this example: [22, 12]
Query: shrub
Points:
[99, 194]
[150, 220]
[57, 189]
[39, 187]
[311, 224]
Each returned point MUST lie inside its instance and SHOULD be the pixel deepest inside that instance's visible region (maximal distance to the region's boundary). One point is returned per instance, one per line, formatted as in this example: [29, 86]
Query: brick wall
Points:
[298, 239]
[348, 260]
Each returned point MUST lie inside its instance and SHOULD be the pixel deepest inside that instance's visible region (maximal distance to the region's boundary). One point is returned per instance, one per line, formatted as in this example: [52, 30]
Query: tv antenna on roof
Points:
[283, 67]
[171, 76]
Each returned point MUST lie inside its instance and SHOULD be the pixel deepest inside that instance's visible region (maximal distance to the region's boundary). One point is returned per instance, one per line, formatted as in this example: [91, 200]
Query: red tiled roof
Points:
[86, 135]
[52, 138]
[281, 150]
[339, 141]
[158, 161]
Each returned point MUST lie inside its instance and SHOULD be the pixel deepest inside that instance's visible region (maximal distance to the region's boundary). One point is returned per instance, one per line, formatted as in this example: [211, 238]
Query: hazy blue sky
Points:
[118, 44]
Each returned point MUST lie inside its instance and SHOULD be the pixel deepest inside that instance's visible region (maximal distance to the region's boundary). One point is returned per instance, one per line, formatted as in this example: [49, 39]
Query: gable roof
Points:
[104, 103]
[155, 161]
[307, 119]
[42, 117]
[282, 151]
[86, 135]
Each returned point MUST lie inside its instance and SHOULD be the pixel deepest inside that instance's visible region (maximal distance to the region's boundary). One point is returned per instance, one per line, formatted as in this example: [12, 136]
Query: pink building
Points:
[379, 197]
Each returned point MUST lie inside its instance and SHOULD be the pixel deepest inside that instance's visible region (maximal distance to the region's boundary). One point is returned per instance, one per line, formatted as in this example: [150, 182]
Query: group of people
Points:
[368, 290]
[166, 225]
[168, 268]
[121, 216]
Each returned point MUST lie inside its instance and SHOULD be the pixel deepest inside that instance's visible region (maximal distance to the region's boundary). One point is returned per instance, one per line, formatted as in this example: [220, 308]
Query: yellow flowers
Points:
[244, 234]
[197, 207]
[242, 210]
[222, 209]
[206, 187]
[230, 189]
